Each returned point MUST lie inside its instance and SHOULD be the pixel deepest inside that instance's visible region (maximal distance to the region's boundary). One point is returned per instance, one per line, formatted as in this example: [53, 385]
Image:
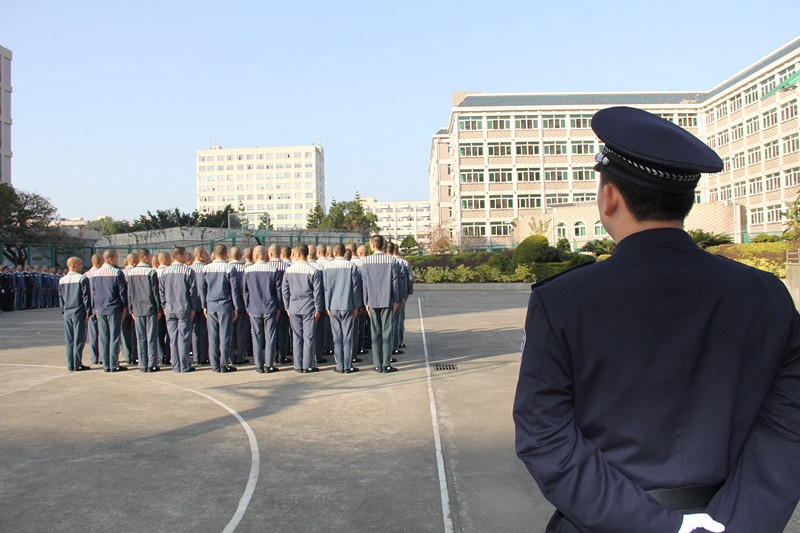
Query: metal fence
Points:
[47, 255]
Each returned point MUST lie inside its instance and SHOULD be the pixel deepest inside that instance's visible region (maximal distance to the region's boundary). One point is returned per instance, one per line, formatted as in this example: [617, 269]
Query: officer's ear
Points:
[610, 199]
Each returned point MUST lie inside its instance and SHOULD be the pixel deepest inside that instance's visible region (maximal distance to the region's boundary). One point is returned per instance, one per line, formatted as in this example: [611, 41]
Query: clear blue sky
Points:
[111, 99]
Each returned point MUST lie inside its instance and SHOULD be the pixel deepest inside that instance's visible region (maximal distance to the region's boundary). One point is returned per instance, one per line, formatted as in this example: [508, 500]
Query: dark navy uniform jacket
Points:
[661, 367]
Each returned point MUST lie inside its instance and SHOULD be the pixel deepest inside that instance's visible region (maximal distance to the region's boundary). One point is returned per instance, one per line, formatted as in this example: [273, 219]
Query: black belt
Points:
[693, 498]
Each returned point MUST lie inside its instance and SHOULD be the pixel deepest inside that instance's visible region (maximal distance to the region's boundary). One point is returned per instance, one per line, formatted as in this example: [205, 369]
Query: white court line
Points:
[255, 457]
[446, 513]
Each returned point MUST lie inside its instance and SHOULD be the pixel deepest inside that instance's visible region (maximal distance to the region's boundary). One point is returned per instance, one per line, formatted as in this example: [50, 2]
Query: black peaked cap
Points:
[651, 151]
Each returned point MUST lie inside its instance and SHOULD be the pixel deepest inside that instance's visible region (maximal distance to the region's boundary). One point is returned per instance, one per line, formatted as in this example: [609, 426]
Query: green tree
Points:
[704, 239]
[409, 245]
[539, 227]
[791, 217]
[25, 217]
[109, 226]
[215, 219]
[315, 217]
[534, 249]
[599, 247]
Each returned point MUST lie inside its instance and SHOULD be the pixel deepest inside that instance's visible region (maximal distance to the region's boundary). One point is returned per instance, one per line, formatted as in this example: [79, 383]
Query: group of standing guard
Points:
[28, 288]
[277, 305]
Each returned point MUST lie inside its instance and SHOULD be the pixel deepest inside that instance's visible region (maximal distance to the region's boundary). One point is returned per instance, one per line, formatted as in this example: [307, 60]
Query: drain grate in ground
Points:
[445, 366]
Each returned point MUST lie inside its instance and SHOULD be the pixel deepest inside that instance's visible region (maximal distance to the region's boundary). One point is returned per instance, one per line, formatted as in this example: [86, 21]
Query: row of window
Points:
[529, 148]
[479, 229]
[523, 201]
[257, 207]
[250, 166]
[770, 150]
[749, 96]
[773, 213]
[506, 175]
[269, 176]
[250, 157]
[551, 122]
[279, 196]
[770, 182]
[256, 186]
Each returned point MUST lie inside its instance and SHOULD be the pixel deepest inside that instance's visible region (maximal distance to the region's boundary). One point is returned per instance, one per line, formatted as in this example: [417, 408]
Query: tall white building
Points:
[5, 115]
[507, 161]
[400, 218]
[282, 183]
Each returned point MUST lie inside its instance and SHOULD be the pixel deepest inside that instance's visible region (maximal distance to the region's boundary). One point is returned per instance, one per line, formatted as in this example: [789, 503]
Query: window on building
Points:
[757, 215]
[723, 138]
[526, 122]
[501, 202]
[756, 185]
[725, 193]
[752, 125]
[528, 174]
[529, 201]
[772, 182]
[584, 174]
[471, 150]
[500, 175]
[550, 122]
[583, 147]
[754, 156]
[498, 123]
[599, 230]
[584, 197]
[768, 84]
[709, 117]
[527, 148]
[751, 95]
[554, 147]
[774, 213]
[469, 203]
[791, 144]
[735, 103]
[476, 229]
[556, 174]
[499, 149]
[472, 176]
[687, 120]
[561, 230]
[553, 199]
[738, 160]
[721, 111]
[791, 177]
[789, 111]
[500, 228]
[770, 118]
[739, 189]
[579, 229]
[583, 122]
[737, 132]
[771, 150]
[470, 123]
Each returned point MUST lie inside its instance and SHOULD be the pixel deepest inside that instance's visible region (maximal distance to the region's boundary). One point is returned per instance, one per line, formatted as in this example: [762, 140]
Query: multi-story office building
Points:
[399, 219]
[5, 115]
[508, 160]
[281, 183]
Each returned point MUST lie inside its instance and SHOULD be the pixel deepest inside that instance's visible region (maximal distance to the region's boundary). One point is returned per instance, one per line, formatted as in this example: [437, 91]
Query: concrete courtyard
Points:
[207, 452]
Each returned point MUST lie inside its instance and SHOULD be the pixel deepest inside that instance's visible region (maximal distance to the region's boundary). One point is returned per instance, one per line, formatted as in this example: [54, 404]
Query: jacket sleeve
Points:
[191, 291]
[236, 290]
[395, 282]
[122, 285]
[277, 280]
[572, 473]
[162, 290]
[203, 289]
[86, 296]
[358, 297]
[410, 279]
[61, 302]
[762, 489]
[154, 283]
[319, 288]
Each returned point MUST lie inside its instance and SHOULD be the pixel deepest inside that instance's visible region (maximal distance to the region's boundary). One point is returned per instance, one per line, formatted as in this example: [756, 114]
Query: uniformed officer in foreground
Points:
[661, 387]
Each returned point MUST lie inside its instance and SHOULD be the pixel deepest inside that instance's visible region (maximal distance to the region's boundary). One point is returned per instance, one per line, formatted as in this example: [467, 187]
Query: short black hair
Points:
[648, 204]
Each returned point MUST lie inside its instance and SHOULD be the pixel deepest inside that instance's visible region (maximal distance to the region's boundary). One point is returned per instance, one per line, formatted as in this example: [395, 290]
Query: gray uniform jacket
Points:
[197, 267]
[402, 280]
[220, 287]
[262, 287]
[109, 290]
[143, 299]
[74, 295]
[409, 274]
[302, 289]
[380, 275]
[238, 272]
[342, 281]
[177, 290]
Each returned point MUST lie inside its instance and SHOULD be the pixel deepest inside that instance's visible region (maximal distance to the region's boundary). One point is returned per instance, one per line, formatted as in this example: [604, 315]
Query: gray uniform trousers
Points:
[264, 330]
[75, 333]
[147, 340]
[402, 329]
[93, 339]
[129, 340]
[220, 327]
[342, 331]
[283, 336]
[179, 326]
[241, 338]
[303, 337]
[108, 327]
[200, 338]
[396, 328]
[381, 325]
